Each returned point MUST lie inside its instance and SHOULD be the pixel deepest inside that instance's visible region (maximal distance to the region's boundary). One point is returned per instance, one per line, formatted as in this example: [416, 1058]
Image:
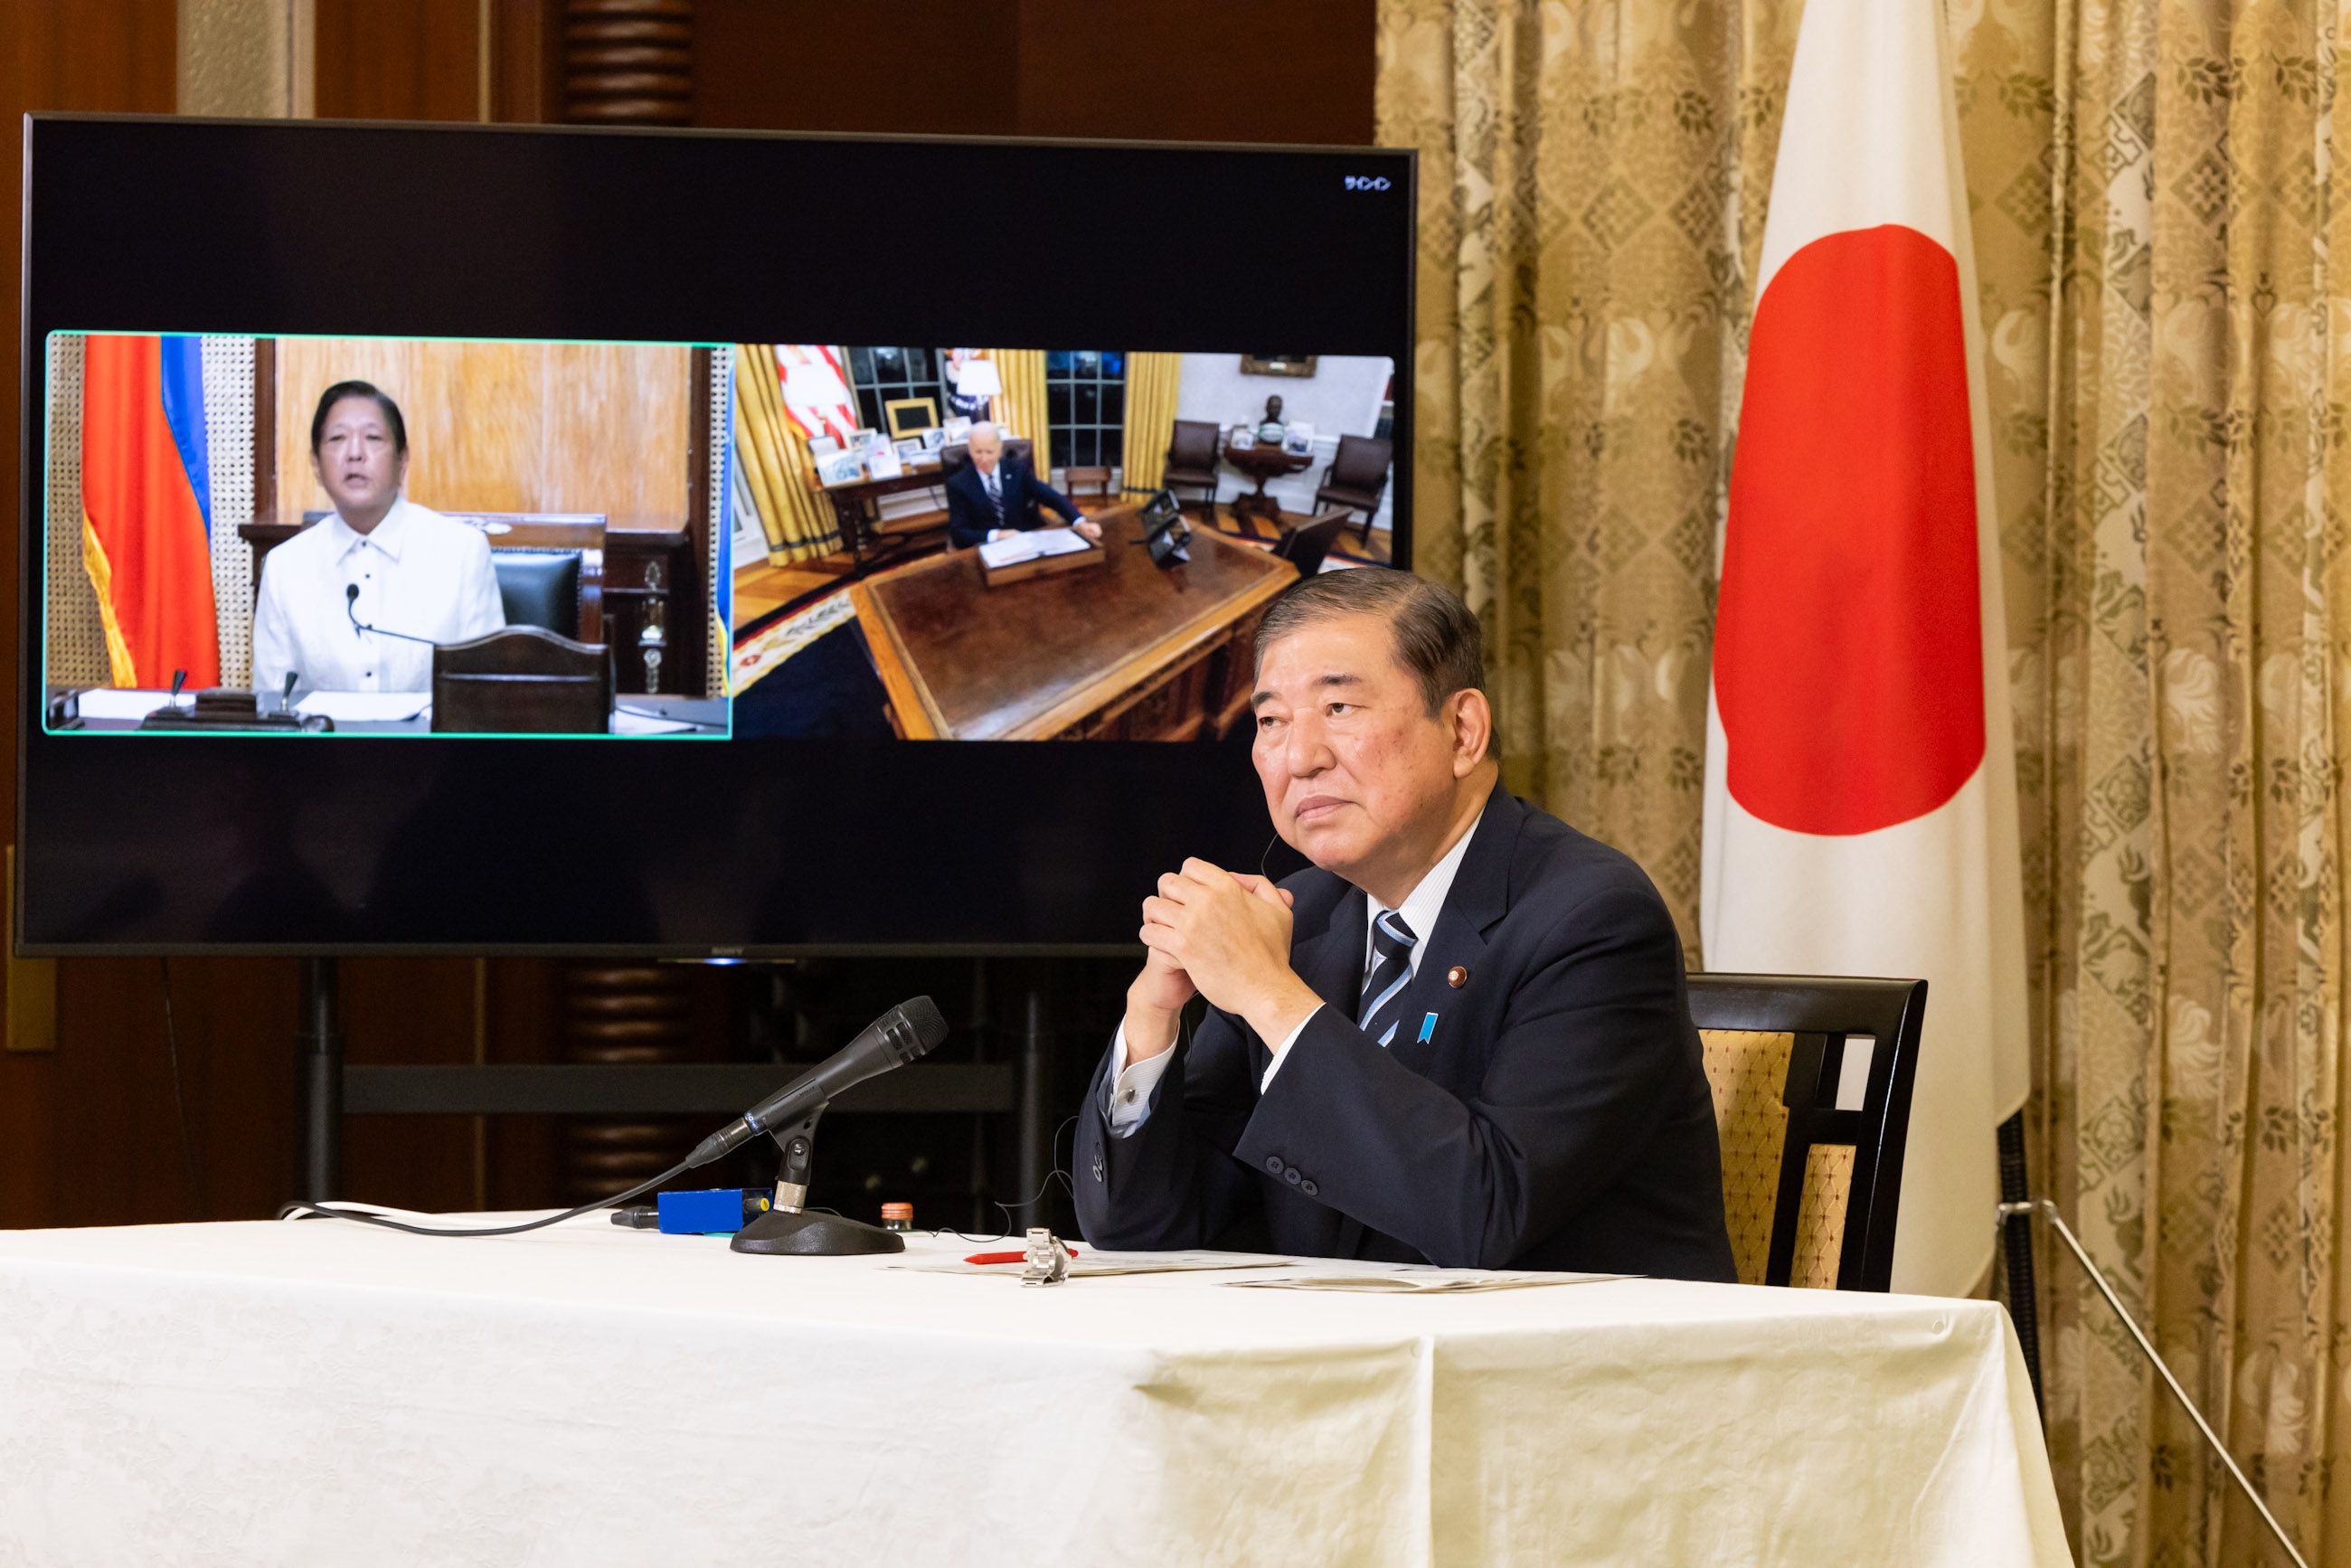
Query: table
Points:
[262, 1393]
[1262, 462]
[860, 527]
[1125, 651]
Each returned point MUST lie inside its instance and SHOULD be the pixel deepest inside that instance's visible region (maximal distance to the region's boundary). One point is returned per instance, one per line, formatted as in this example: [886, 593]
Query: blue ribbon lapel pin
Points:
[1427, 1030]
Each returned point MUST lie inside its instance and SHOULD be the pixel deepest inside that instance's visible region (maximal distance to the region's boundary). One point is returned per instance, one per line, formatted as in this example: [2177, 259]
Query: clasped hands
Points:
[1226, 936]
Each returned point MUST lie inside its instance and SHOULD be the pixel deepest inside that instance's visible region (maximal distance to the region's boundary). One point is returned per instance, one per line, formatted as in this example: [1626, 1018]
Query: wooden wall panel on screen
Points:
[506, 427]
[415, 59]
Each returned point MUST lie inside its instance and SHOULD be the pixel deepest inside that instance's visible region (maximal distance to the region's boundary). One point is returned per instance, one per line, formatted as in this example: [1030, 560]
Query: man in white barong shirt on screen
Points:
[416, 571]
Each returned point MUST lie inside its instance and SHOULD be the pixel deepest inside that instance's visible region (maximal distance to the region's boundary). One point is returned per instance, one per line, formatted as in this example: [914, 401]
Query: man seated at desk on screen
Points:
[994, 495]
[1462, 1039]
[416, 571]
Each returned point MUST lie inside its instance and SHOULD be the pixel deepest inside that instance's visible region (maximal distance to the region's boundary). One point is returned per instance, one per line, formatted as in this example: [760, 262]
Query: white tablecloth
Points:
[319, 1392]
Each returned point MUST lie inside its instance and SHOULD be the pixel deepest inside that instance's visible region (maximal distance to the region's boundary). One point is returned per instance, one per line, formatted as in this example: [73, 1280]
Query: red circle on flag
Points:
[1848, 649]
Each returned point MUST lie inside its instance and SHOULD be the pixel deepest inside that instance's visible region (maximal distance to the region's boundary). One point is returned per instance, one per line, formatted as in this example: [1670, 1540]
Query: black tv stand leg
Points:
[318, 1049]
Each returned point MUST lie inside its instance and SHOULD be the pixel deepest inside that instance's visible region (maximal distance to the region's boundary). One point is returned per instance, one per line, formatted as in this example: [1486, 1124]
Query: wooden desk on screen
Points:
[1125, 650]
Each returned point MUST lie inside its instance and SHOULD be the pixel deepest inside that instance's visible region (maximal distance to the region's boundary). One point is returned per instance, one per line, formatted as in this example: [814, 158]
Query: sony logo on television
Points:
[1367, 182]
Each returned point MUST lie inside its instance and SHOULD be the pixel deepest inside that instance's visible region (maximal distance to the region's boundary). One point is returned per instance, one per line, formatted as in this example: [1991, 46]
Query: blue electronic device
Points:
[721, 1211]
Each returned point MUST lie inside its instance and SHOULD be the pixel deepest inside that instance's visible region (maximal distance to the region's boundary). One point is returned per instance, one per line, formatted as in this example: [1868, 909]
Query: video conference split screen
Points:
[322, 537]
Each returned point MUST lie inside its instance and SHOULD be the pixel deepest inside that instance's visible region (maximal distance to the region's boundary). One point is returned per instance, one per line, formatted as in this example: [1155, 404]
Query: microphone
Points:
[351, 608]
[910, 1029]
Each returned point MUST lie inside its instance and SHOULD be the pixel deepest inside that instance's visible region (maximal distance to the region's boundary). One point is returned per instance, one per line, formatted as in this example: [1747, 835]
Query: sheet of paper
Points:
[120, 702]
[1422, 1282]
[1059, 541]
[1092, 1265]
[366, 707]
[1001, 553]
[627, 721]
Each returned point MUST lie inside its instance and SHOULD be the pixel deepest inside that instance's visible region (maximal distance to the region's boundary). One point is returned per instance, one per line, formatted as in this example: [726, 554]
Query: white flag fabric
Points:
[1860, 780]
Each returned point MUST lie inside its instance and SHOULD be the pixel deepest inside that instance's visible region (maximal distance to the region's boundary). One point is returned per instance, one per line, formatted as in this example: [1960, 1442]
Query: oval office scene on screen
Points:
[1035, 544]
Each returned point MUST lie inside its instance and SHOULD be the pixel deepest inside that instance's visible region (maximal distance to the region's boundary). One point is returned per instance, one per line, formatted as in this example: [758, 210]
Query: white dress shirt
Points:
[417, 571]
[1130, 1086]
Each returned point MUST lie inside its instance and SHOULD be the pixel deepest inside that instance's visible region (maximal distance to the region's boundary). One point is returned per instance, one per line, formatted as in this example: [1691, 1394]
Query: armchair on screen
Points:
[1192, 462]
[523, 680]
[1357, 477]
[1811, 1191]
[551, 565]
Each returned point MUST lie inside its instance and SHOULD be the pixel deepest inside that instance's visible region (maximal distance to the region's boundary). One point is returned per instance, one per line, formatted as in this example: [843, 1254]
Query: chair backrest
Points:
[522, 681]
[957, 454]
[539, 587]
[581, 533]
[1304, 546]
[1193, 443]
[1092, 481]
[1361, 463]
[1811, 1191]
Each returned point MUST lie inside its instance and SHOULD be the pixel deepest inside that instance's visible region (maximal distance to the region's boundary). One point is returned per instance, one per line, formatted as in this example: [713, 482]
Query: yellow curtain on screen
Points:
[1021, 408]
[798, 523]
[1152, 381]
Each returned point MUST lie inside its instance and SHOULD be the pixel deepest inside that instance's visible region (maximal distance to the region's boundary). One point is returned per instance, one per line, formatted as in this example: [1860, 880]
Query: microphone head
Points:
[926, 1024]
[351, 592]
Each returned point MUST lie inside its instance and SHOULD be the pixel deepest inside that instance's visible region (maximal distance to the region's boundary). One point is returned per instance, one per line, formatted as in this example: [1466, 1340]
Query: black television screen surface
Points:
[504, 540]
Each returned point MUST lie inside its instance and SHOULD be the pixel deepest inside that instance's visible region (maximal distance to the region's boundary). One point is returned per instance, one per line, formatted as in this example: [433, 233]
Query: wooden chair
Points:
[1811, 1191]
[1077, 482]
[522, 681]
[1357, 477]
[1191, 461]
[1304, 546]
[958, 454]
[529, 579]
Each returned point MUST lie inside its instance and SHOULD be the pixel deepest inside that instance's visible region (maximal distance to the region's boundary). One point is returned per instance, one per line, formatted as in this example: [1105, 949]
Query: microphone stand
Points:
[2048, 1209]
[790, 1228]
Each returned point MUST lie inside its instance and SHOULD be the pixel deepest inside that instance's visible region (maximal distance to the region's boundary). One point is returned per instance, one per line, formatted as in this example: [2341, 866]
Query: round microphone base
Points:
[808, 1235]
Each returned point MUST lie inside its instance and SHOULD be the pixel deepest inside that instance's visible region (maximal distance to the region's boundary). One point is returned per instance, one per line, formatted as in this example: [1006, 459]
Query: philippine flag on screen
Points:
[1860, 789]
[146, 495]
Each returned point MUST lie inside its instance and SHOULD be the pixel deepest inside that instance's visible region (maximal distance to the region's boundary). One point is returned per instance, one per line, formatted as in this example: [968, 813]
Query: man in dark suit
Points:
[1463, 1038]
[993, 496]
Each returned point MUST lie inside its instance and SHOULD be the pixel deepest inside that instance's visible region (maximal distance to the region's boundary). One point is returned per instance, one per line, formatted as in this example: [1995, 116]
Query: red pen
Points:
[1020, 1257]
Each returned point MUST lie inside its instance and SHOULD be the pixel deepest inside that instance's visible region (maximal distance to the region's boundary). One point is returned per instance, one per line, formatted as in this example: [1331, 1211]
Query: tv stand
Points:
[330, 1088]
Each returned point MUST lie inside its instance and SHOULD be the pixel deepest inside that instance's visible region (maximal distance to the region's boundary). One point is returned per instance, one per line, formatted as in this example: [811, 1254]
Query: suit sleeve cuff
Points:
[1280, 1053]
[1131, 1084]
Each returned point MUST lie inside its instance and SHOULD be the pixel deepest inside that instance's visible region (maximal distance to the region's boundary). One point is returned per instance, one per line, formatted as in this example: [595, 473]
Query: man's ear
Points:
[1472, 723]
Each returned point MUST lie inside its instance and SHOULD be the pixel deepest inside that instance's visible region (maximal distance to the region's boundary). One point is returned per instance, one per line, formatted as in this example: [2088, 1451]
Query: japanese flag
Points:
[1860, 777]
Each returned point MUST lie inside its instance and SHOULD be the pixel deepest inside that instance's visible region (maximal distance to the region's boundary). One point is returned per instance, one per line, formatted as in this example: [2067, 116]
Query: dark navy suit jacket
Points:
[1555, 1115]
[970, 516]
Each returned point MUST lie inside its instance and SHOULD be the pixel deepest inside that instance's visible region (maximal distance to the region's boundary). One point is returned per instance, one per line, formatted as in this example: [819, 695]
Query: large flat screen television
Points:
[501, 539]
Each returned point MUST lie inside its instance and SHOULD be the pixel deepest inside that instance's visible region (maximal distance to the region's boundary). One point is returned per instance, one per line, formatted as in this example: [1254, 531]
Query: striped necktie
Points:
[995, 493]
[1392, 942]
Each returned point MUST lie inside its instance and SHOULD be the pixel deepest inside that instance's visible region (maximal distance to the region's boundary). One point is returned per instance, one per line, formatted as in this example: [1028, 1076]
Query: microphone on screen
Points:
[907, 1032]
[351, 608]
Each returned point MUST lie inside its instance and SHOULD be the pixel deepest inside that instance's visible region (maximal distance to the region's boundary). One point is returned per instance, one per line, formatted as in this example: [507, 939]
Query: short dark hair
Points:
[1436, 637]
[342, 390]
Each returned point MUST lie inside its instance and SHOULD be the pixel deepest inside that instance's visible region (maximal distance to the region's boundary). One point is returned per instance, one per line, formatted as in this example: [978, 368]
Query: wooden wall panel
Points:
[1207, 70]
[400, 59]
[506, 427]
[1223, 70]
[942, 67]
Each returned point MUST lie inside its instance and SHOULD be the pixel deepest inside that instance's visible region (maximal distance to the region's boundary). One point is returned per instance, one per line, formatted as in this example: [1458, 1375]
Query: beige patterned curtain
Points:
[1593, 179]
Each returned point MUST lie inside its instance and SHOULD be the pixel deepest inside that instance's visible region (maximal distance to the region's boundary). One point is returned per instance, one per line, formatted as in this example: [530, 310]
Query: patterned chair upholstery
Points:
[1811, 1191]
